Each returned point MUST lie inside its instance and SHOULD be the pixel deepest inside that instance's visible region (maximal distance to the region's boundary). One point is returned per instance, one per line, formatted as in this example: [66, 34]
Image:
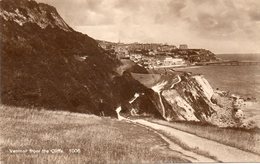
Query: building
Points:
[167, 48]
[169, 61]
[183, 46]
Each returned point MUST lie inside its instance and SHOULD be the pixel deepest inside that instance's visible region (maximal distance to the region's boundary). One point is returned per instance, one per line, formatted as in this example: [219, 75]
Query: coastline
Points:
[249, 104]
[246, 98]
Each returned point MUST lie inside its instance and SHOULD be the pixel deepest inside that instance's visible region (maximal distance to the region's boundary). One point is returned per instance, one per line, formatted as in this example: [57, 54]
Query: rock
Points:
[215, 99]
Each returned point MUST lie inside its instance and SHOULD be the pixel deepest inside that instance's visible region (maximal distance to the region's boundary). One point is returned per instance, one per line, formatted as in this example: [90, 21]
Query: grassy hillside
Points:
[148, 80]
[129, 65]
[61, 69]
[82, 138]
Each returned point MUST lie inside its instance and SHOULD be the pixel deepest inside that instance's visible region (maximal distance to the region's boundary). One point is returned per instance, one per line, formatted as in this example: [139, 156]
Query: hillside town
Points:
[154, 55]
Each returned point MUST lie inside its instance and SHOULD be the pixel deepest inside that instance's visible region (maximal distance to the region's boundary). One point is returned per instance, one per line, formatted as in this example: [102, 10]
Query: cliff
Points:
[186, 97]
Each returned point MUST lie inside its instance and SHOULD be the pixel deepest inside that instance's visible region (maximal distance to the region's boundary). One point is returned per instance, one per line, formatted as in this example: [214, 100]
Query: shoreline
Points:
[248, 104]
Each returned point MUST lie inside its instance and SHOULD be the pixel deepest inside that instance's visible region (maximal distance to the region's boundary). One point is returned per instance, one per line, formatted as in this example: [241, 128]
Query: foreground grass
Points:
[82, 138]
[248, 140]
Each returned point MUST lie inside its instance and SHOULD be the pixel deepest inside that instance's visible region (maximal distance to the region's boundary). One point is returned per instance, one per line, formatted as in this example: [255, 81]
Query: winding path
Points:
[189, 155]
[179, 80]
[159, 89]
[163, 108]
[221, 152]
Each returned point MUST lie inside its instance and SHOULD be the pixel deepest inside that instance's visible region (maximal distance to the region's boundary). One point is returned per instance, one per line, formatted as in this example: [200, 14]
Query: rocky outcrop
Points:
[195, 91]
[191, 98]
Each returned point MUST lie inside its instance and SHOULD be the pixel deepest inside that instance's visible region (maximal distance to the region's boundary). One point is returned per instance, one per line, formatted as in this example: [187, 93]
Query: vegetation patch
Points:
[77, 138]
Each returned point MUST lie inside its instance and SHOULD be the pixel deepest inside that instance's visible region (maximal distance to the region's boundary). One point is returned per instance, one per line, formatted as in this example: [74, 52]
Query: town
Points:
[155, 55]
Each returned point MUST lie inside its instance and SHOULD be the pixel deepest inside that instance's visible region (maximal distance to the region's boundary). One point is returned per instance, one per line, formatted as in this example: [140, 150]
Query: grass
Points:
[248, 140]
[148, 80]
[99, 140]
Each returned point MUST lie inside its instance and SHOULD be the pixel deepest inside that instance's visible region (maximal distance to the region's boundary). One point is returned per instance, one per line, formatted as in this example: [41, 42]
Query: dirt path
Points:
[193, 157]
[179, 80]
[222, 152]
[163, 108]
[158, 89]
[189, 155]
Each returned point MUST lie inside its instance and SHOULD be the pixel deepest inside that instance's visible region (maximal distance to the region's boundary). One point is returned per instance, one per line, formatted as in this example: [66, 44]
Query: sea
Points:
[240, 80]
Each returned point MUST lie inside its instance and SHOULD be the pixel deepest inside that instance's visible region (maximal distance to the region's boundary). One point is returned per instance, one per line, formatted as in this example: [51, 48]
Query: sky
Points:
[222, 26]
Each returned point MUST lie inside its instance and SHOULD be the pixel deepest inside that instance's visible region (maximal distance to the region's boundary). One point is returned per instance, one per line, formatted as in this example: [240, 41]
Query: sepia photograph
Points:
[129, 81]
